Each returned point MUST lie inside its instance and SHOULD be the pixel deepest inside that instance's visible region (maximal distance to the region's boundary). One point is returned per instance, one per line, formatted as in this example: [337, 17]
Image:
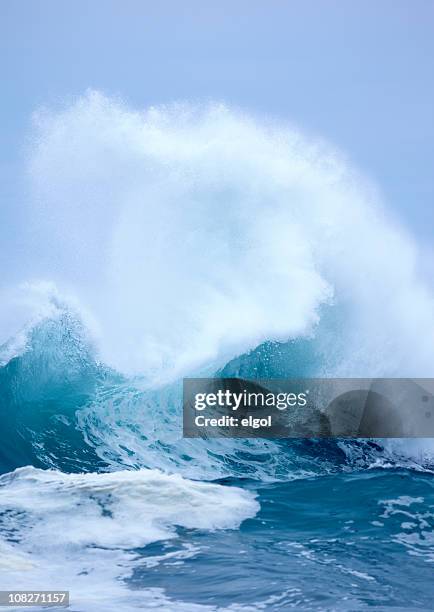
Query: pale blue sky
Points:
[357, 72]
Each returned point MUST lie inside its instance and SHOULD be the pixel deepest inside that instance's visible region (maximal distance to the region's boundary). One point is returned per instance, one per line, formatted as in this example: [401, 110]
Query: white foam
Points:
[125, 509]
[79, 531]
[193, 234]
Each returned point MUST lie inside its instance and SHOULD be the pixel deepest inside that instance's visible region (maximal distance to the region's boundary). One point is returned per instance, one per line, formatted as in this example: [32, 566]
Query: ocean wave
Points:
[195, 241]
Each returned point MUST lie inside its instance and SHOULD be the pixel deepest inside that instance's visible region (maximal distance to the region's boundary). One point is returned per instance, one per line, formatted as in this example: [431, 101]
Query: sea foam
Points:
[80, 531]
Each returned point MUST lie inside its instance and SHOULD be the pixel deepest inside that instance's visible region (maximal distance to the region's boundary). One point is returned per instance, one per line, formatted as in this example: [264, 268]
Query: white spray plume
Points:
[194, 233]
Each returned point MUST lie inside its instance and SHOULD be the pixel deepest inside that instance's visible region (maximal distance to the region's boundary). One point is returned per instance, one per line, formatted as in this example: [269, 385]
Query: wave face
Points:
[200, 241]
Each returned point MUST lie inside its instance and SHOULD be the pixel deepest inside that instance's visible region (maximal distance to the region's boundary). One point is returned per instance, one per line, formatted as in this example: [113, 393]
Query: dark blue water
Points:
[342, 542]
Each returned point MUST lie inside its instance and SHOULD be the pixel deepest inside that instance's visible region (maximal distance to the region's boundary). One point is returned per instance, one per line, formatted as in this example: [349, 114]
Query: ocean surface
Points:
[99, 494]
[185, 241]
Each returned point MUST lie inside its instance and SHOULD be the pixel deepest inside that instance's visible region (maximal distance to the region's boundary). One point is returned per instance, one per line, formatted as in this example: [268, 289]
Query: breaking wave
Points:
[176, 241]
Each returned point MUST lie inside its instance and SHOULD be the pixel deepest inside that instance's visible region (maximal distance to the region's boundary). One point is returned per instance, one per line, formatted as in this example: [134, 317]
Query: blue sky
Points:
[359, 73]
